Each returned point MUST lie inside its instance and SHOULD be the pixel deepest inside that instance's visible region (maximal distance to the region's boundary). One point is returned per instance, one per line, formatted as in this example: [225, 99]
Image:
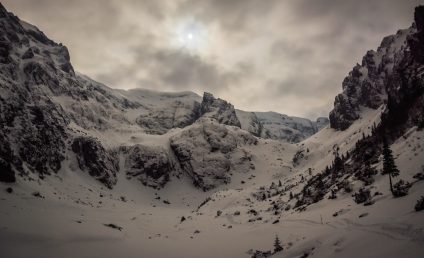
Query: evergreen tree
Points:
[389, 166]
[368, 170]
[327, 170]
[277, 245]
[279, 183]
[338, 162]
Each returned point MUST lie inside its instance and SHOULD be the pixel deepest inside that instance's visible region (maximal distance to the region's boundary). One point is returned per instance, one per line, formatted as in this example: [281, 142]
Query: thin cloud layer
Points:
[285, 56]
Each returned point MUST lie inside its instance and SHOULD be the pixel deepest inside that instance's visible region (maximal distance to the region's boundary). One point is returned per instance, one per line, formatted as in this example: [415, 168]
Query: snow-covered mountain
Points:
[51, 114]
[382, 78]
[272, 125]
[87, 170]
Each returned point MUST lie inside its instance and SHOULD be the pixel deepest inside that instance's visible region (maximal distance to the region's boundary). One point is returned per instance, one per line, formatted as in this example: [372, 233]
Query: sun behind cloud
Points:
[190, 35]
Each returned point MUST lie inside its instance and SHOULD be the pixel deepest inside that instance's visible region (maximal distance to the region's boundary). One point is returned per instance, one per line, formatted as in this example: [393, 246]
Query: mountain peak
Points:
[419, 17]
[368, 84]
[219, 109]
[3, 11]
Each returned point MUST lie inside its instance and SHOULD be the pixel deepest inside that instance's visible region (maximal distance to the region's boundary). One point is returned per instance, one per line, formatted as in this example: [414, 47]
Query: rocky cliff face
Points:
[179, 115]
[94, 159]
[400, 87]
[405, 88]
[33, 128]
[40, 97]
[151, 165]
[208, 151]
[178, 110]
[219, 109]
[370, 83]
[163, 111]
[272, 125]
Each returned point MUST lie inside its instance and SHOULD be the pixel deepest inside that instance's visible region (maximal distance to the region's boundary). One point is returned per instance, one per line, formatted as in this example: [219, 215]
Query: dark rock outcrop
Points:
[7, 173]
[219, 109]
[94, 159]
[36, 76]
[151, 165]
[369, 84]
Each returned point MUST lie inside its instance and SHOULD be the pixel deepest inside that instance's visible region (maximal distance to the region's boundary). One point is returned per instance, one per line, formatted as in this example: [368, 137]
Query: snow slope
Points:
[70, 219]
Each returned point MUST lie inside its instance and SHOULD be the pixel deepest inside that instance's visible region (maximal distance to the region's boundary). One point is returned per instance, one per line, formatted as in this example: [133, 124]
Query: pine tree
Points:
[279, 183]
[389, 166]
[277, 245]
[338, 162]
[347, 154]
[327, 170]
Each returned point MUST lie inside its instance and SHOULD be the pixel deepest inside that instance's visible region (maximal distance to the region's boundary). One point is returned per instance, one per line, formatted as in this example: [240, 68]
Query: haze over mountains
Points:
[105, 172]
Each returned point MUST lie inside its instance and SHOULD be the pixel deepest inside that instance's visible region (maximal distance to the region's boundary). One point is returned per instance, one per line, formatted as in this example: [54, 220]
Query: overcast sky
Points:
[261, 55]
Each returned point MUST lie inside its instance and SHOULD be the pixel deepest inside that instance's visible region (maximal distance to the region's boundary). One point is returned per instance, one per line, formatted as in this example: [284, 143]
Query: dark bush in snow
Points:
[419, 176]
[261, 254]
[363, 196]
[401, 188]
[420, 204]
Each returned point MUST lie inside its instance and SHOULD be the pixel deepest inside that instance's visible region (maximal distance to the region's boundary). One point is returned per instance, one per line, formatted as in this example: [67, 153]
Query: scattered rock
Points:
[114, 226]
[37, 194]
[363, 215]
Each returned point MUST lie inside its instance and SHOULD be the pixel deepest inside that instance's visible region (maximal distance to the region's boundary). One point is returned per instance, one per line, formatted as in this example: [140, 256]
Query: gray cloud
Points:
[286, 56]
[234, 15]
[172, 69]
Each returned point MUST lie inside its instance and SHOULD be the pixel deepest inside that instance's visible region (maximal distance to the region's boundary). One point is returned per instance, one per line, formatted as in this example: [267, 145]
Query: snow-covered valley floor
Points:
[73, 215]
